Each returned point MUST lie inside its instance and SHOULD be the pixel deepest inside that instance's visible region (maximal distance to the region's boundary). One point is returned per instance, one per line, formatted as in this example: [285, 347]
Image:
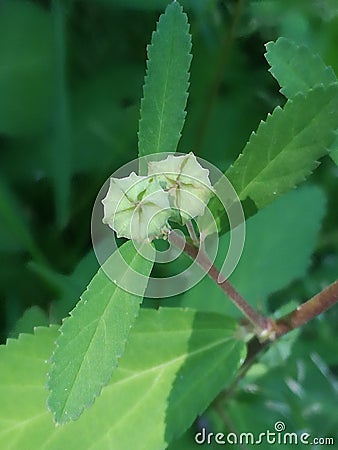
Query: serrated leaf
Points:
[94, 337]
[166, 83]
[175, 362]
[296, 69]
[284, 150]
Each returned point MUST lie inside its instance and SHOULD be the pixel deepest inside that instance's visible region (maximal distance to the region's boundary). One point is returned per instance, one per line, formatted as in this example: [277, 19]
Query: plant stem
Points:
[307, 311]
[191, 231]
[261, 324]
[316, 305]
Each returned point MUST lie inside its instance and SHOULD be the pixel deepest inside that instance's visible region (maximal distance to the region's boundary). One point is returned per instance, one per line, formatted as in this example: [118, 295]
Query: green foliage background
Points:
[71, 76]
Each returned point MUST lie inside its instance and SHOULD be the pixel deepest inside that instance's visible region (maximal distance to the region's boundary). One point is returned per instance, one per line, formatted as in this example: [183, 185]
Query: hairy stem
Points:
[261, 324]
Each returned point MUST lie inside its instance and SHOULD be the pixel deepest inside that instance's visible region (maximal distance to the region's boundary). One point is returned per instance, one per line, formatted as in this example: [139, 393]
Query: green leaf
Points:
[166, 83]
[175, 363]
[296, 69]
[94, 337]
[25, 67]
[280, 240]
[32, 317]
[284, 150]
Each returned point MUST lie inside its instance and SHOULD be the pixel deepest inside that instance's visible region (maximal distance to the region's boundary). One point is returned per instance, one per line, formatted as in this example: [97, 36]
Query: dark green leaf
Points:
[284, 150]
[296, 68]
[166, 83]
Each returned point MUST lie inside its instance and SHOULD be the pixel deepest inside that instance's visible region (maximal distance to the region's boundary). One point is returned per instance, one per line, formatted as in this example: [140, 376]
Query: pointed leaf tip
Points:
[165, 90]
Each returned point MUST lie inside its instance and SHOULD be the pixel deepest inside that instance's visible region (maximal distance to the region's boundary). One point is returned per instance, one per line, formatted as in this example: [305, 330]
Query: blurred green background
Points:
[71, 76]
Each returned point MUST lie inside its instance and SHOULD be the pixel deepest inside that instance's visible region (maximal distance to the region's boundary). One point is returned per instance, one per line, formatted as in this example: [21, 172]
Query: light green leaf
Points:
[25, 67]
[175, 363]
[296, 69]
[280, 240]
[166, 83]
[284, 150]
[94, 337]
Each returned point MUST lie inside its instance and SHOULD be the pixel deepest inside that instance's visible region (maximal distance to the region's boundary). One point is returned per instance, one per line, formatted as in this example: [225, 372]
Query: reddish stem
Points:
[316, 305]
[262, 324]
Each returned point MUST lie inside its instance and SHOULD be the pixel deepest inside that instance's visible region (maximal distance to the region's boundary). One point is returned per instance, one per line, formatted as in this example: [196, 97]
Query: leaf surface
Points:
[166, 83]
[93, 338]
[284, 150]
[296, 69]
[175, 362]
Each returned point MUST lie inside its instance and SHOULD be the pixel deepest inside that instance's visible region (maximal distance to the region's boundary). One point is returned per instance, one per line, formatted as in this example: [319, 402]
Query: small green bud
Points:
[186, 181]
[136, 207]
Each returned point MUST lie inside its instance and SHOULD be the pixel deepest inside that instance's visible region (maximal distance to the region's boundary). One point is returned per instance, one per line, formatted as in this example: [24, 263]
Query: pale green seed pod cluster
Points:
[139, 207]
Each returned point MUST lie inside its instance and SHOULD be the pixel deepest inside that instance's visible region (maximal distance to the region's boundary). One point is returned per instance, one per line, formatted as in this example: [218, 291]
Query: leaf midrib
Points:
[164, 100]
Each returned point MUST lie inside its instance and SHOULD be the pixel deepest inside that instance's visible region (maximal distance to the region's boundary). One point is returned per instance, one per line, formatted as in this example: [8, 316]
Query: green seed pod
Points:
[186, 181]
[137, 207]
